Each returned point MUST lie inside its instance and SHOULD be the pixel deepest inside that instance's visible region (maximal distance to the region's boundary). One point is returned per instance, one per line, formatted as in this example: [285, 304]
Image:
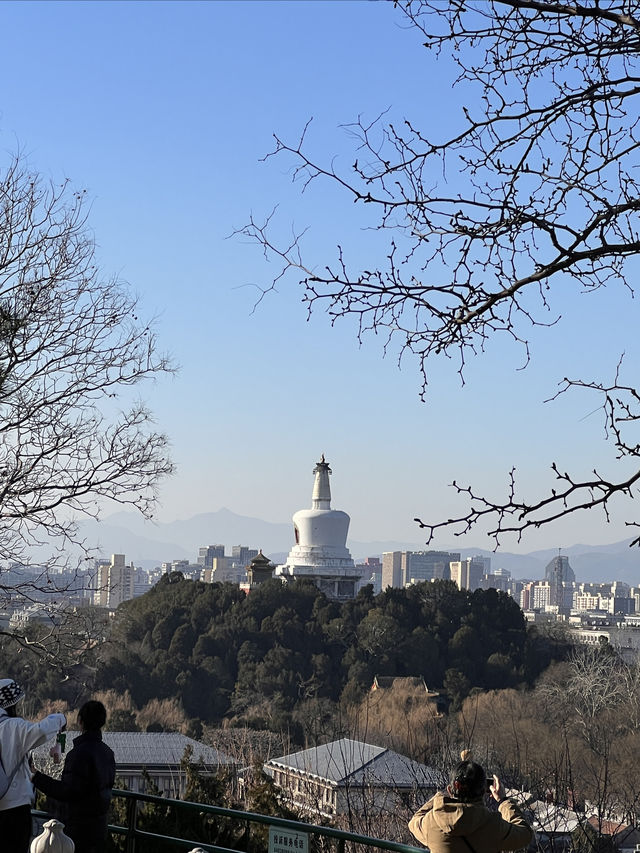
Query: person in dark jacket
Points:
[83, 793]
[457, 821]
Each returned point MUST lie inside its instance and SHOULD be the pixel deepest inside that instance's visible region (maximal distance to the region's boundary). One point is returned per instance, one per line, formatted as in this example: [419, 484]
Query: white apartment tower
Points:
[468, 573]
[392, 570]
[320, 552]
[114, 582]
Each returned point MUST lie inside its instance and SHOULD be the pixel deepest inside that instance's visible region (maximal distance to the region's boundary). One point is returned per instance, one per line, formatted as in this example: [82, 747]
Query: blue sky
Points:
[162, 112]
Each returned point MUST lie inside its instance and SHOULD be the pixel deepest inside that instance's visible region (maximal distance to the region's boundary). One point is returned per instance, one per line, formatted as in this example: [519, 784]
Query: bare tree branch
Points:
[537, 190]
[71, 345]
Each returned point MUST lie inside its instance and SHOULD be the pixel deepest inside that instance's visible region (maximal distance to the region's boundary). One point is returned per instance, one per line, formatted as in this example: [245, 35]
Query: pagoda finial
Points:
[321, 497]
[322, 465]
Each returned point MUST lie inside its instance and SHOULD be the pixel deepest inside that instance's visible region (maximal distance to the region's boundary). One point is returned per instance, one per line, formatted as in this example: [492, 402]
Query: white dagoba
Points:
[321, 552]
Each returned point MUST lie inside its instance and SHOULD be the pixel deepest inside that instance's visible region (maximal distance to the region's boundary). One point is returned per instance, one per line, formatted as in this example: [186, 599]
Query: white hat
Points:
[10, 692]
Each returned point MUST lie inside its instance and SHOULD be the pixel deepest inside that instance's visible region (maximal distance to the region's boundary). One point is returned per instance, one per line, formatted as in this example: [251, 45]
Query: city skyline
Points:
[163, 111]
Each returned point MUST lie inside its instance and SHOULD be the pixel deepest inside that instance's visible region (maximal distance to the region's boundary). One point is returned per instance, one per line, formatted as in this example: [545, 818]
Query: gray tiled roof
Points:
[346, 760]
[402, 771]
[153, 748]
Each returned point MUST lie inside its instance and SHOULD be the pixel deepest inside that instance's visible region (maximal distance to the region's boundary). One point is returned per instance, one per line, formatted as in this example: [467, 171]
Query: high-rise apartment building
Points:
[468, 573]
[526, 596]
[543, 594]
[114, 582]
[219, 572]
[392, 569]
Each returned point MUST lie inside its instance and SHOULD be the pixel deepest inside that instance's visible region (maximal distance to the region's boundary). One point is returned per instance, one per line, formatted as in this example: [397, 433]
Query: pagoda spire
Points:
[321, 497]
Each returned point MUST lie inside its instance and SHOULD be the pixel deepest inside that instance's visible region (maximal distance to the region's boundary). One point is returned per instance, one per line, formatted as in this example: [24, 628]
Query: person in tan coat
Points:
[457, 821]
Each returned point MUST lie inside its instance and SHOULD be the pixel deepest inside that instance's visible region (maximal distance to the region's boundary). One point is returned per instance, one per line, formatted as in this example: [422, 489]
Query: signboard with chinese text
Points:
[287, 841]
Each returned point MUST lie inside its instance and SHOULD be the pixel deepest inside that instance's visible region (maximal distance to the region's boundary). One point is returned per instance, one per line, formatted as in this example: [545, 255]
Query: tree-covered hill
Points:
[255, 658]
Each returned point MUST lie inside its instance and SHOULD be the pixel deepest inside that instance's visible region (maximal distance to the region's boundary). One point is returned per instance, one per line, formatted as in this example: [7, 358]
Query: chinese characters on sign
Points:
[287, 841]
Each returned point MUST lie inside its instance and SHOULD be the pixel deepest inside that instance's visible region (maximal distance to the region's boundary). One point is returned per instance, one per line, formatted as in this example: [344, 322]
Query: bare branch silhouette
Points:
[536, 192]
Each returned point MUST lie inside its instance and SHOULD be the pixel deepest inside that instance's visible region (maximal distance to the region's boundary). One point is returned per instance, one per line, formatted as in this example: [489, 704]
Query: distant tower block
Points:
[320, 552]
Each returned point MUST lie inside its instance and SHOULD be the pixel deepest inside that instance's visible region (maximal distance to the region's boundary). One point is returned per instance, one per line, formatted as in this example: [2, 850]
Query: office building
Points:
[208, 553]
[242, 555]
[400, 568]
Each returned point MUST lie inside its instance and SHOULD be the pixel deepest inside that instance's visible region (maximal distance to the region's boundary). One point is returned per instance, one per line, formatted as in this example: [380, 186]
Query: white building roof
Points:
[154, 749]
[346, 761]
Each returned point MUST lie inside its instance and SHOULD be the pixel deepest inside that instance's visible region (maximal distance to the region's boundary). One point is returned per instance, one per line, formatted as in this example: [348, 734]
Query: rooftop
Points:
[153, 748]
[351, 761]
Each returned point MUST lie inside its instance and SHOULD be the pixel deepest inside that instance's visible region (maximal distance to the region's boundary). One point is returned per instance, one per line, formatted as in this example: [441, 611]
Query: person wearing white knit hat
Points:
[17, 738]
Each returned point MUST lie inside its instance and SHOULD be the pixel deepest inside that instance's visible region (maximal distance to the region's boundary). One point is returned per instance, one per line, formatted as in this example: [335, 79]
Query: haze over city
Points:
[163, 111]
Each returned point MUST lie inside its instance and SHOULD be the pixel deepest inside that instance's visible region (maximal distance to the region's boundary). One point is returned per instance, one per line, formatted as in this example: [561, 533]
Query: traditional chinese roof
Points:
[384, 682]
[408, 682]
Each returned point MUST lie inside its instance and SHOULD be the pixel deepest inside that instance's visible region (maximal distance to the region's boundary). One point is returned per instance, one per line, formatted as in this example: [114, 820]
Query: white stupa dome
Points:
[321, 551]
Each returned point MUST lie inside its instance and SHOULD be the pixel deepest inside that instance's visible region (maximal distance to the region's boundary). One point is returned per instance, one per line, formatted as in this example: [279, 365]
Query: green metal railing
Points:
[339, 840]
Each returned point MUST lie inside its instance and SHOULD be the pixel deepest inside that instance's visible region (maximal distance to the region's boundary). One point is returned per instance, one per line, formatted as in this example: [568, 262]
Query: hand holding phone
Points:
[496, 789]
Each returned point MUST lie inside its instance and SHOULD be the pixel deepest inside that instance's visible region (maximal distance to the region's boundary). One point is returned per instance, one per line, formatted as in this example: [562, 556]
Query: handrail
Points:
[132, 832]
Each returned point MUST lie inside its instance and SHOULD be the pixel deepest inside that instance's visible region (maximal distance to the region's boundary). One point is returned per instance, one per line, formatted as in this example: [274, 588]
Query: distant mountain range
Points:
[149, 543]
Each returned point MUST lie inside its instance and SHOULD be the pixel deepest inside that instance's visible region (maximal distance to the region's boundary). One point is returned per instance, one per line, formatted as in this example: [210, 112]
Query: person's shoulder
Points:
[103, 747]
[10, 726]
[17, 728]
[16, 723]
[81, 743]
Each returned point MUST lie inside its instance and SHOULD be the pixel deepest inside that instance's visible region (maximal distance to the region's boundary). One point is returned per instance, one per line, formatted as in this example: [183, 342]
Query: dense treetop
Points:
[256, 658]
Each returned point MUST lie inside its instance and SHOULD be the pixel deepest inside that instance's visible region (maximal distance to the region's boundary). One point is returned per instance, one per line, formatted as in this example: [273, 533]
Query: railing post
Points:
[132, 824]
[341, 845]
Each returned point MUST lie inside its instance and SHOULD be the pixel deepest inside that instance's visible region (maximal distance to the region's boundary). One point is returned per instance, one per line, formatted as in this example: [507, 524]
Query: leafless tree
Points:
[72, 348]
[535, 191]
[405, 719]
[571, 740]
[592, 684]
